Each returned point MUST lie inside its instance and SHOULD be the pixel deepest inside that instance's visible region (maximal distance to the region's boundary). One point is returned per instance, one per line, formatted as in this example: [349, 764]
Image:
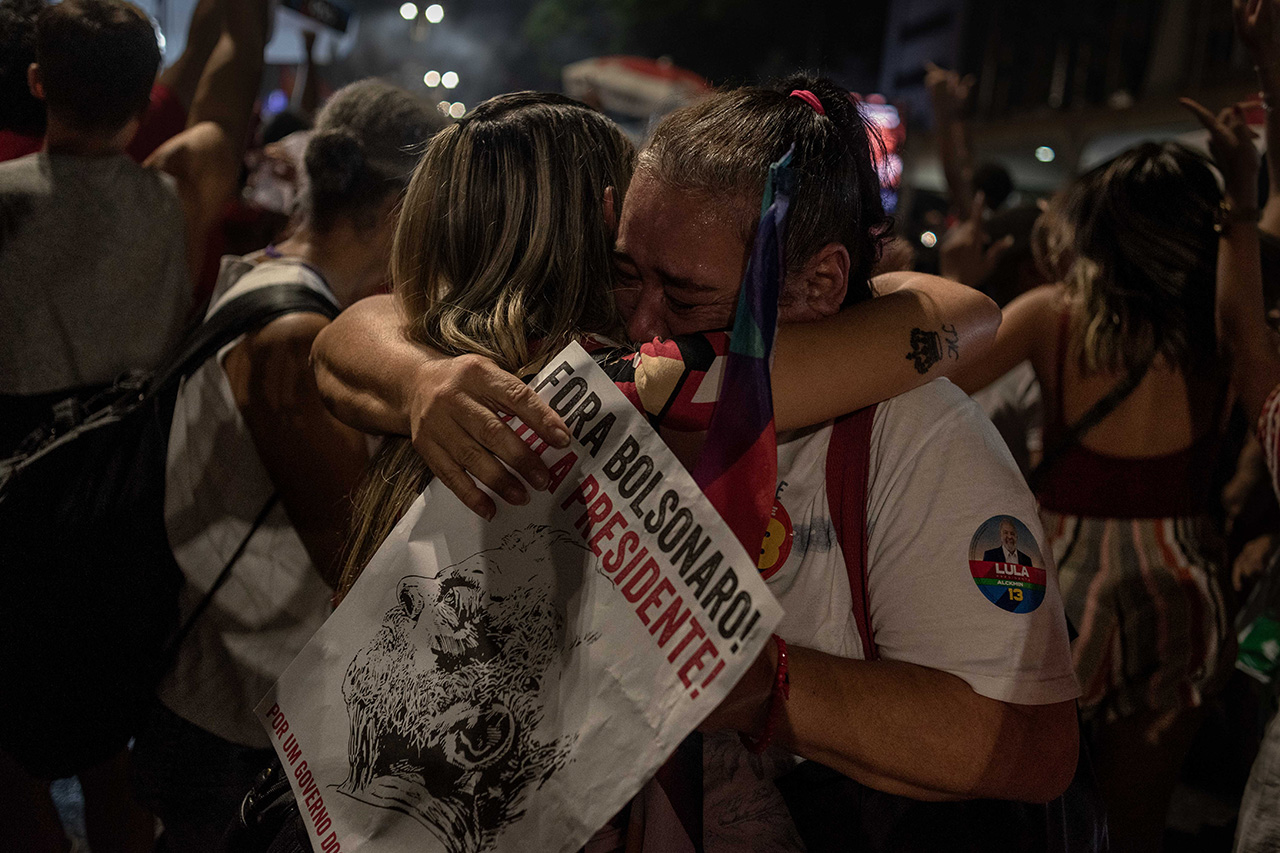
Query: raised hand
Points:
[1258, 25]
[964, 255]
[1231, 144]
[949, 91]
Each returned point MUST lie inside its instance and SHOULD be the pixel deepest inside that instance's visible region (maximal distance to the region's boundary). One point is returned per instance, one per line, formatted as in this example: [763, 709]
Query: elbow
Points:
[1057, 774]
[328, 384]
[1053, 768]
[1044, 763]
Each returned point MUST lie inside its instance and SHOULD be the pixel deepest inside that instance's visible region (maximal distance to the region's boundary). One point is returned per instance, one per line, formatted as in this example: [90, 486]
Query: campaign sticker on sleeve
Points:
[1007, 565]
[778, 537]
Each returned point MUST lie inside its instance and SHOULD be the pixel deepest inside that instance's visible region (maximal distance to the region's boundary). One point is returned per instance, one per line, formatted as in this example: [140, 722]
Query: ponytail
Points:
[723, 145]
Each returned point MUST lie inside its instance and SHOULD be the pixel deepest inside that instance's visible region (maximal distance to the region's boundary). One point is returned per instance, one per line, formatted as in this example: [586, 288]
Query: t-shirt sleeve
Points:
[1269, 436]
[944, 494]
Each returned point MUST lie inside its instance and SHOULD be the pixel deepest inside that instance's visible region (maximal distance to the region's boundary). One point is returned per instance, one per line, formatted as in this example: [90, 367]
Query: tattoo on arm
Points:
[926, 347]
[953, 340]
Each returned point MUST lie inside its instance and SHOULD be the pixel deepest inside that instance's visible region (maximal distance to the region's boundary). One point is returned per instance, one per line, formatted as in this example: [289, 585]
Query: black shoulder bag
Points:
[89, 608]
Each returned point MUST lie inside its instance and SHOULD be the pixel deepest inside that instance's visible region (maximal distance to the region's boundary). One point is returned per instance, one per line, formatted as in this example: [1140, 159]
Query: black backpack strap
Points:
[244, 313]
[171, 649]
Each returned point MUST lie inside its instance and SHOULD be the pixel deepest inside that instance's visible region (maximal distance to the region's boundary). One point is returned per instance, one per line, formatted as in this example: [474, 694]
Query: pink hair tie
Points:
[810, 99]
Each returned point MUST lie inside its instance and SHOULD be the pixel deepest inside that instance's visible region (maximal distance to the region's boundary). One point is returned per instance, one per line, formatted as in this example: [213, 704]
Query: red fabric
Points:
[848, 473]
[15, 145]
[744, 493]
[164, 119]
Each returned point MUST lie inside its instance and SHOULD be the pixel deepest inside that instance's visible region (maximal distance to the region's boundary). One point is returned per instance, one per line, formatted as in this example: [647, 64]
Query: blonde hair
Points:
[1134, 243]
[502, 250]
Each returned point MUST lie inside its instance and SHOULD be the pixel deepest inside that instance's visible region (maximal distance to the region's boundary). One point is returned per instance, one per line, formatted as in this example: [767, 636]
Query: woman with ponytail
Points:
[248, 425]
[1135, 395]
[503, 255]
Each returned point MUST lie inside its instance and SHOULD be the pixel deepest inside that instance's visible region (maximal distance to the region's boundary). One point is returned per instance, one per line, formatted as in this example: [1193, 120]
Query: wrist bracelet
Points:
[781, 692]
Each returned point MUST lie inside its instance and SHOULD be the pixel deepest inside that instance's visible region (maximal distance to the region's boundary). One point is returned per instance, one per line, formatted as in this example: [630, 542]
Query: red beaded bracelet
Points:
[781, 688]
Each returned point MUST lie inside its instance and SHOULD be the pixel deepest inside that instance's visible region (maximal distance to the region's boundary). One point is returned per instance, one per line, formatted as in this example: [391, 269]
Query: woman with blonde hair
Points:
[505, 251]
[1124, 348]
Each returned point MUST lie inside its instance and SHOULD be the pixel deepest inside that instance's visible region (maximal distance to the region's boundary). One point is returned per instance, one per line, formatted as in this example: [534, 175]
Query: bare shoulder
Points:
[270, 369]
[286, 337]
[1047, 299]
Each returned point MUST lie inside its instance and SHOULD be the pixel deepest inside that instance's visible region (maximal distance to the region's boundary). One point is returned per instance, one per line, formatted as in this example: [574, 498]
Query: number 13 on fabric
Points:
[510, 685]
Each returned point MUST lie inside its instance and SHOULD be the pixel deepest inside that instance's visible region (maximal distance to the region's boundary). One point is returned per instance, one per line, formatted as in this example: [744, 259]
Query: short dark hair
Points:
[20, 111]
[98, 60]
[725, 143]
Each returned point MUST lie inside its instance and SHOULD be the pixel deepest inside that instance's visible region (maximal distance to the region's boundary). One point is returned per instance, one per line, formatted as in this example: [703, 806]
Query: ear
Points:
[819, 287]
[611, 211]
[411, 597]
[34, 82]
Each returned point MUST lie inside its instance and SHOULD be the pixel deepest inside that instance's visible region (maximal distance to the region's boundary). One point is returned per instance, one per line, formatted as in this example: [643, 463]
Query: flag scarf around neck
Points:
[738, 467]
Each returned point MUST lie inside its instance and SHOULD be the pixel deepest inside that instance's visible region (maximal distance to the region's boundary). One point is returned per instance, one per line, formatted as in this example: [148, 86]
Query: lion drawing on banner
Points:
[445, 701]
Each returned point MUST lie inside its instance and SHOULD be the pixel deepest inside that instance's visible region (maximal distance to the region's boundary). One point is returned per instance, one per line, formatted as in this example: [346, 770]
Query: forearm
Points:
[183, 76]
[923, 733]
[1240, 316]
[366, 368]
[231, 77]
[956, 154]
[1269, 80]
[918, 329]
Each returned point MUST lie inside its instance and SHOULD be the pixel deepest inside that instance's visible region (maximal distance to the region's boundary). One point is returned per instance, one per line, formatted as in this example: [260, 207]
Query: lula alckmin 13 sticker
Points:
[1007, 564]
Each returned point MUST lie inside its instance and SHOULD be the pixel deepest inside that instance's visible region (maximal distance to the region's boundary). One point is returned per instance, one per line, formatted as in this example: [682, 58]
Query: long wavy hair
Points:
[502, 250]
[1134, 242]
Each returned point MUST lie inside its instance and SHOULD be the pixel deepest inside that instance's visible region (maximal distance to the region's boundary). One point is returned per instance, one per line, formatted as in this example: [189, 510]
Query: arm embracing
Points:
[917, 329]
[374, 378]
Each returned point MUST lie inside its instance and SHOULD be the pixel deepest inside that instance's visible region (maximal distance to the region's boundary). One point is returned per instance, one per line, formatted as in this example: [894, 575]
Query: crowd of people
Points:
[929, 707]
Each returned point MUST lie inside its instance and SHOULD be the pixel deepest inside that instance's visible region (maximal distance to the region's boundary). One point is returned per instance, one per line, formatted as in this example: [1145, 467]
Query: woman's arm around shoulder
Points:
[918, 328]
[1029, 330]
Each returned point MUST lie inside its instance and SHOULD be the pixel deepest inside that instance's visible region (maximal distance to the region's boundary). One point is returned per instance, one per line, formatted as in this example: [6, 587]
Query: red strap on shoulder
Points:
[848, 471]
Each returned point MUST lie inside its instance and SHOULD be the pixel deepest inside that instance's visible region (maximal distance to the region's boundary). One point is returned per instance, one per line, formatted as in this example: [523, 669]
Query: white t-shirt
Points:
[215, 485]
[941, 483]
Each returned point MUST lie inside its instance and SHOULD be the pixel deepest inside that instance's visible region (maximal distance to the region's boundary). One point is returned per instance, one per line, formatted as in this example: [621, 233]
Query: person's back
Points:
[1134, 396]
[94, 264]
[92, 246]
[1152, 456]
